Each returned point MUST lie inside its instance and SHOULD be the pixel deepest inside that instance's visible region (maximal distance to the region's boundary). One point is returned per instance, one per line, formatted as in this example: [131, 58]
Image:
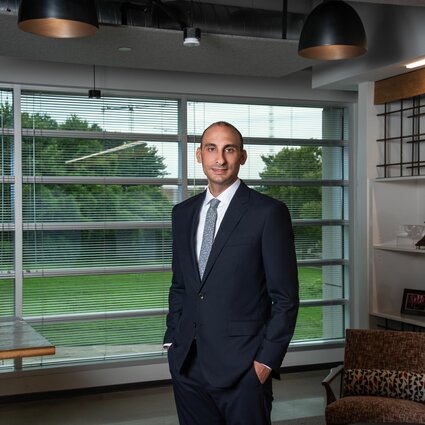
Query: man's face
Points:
[221, 157]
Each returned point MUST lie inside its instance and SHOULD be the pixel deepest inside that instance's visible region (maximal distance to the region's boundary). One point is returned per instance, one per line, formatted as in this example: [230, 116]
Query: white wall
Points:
[364, 158]
[47, 74]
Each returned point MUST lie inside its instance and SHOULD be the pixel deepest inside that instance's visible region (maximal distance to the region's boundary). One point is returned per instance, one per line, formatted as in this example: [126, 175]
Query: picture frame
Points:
[413, 302]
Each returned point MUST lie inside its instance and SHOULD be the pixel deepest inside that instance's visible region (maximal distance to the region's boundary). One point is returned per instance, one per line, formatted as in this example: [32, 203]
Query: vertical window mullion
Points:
[183, 164]
[17, 200]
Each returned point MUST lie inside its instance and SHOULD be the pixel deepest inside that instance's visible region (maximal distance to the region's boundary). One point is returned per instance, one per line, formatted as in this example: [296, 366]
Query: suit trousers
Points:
[248, 402]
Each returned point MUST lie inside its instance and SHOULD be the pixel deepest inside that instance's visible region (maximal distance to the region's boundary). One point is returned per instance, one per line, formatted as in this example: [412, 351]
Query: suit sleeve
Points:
[280, 268]
[177, 290]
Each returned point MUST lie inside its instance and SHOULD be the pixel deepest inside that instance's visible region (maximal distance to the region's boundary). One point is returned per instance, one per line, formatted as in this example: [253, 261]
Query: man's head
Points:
[224, 124]
[221, 154]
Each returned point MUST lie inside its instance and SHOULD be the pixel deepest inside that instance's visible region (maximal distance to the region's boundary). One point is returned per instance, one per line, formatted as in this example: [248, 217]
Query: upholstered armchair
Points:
[382, 379]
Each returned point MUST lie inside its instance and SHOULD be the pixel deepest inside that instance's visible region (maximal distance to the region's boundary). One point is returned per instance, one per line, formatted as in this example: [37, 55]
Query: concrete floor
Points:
[297, 395]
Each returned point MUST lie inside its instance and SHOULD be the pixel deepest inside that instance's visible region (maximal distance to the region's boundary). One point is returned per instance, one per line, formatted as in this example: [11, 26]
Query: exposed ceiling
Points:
[162, 49]
[158, 49]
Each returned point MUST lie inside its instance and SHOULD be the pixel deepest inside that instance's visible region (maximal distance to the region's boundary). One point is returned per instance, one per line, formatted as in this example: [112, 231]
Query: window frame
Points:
[182, 182]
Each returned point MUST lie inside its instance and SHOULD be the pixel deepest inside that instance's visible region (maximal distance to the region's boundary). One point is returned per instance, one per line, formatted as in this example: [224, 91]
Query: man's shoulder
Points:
[265, 200]
[265, 206]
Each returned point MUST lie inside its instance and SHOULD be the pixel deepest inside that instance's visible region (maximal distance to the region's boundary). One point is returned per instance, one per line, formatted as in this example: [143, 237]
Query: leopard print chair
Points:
[382, 379]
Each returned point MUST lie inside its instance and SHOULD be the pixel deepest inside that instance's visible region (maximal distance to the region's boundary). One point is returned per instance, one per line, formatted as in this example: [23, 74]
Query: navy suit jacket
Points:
[245, 307]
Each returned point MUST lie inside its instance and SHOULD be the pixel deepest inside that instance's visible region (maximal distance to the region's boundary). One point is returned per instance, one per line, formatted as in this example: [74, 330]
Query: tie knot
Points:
[214, 203]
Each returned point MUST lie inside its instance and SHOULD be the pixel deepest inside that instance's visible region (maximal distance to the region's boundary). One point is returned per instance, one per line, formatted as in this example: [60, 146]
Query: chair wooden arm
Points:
[330, 396]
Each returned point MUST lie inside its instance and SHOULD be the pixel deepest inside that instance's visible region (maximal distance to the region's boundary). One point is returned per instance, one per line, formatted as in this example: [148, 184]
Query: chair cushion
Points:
[357, 409]
[384, 383]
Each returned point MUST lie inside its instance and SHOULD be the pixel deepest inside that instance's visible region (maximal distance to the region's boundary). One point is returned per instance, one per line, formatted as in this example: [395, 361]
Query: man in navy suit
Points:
[232, 305]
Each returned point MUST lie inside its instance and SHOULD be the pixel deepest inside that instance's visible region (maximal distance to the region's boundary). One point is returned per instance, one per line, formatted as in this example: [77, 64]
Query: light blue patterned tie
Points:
[208, 235]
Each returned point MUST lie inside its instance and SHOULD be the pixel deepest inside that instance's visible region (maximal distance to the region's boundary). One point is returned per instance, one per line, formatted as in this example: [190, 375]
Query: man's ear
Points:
[244, 157]
[199, 155]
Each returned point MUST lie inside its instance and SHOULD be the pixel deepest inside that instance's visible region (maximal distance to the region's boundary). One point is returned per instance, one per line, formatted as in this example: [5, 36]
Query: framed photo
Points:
[413, 302]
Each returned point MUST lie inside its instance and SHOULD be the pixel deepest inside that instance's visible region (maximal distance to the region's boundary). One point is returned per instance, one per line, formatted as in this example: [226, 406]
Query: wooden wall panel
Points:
[400, 87]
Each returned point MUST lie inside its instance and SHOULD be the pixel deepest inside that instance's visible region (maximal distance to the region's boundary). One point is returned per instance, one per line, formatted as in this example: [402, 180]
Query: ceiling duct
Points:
[210, 18]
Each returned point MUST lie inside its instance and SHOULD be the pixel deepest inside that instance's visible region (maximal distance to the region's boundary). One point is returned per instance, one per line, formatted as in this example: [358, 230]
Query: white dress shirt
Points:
[224, 198]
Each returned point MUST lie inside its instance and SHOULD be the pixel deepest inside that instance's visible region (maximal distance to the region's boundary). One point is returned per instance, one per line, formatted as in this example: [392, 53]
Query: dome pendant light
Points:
[332, 31]
[58, 18]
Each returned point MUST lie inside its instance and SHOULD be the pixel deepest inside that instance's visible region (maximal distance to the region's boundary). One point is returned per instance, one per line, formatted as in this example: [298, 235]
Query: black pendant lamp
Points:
[332, 31]
[58, 18]
[94, 93]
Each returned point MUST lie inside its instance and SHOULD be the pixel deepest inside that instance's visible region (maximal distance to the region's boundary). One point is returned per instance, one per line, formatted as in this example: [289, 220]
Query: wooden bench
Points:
[18, 339]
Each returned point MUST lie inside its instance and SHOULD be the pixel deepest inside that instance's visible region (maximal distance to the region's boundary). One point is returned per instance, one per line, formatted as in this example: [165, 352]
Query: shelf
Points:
[397, 317]
[399, 179]
[397, 197]
[397, 248]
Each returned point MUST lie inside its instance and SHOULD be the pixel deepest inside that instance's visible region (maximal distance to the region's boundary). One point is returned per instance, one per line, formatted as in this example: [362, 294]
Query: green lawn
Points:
[105, 293]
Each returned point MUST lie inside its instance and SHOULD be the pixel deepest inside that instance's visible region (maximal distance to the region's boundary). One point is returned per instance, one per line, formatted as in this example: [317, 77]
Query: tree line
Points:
[88, 157]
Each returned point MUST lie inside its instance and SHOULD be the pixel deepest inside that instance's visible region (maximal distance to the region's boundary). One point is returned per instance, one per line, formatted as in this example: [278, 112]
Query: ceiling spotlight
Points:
[332, 31]
[191, 37]
[94, 93]
[58, 18]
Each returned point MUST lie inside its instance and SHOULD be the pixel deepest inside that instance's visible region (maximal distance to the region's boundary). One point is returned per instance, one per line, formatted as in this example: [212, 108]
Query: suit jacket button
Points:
[201, 296]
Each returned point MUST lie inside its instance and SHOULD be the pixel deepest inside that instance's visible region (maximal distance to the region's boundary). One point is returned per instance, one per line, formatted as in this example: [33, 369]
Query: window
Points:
[100, 177]
[97, 197]
[298, 155]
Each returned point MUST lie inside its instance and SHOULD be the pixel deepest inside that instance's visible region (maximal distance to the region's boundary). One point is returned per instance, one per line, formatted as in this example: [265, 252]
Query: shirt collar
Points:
[224, 197]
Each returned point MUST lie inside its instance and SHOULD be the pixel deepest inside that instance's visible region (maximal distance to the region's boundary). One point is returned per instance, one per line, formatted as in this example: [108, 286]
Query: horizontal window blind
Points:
[93, 203]
[59, 156]
[110, 114]
[271, 163]
[68, 295]
[298, 155]
[7, 253]
[321, 282]
[320, 323]
[7, 241]
[7, 293]
[267, 121]
[100, 249]
[104, 339]
[100, 179]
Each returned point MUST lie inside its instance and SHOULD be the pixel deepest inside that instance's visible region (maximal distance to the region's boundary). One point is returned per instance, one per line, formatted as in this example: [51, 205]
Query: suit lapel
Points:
[193, 218]
[234, 213]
